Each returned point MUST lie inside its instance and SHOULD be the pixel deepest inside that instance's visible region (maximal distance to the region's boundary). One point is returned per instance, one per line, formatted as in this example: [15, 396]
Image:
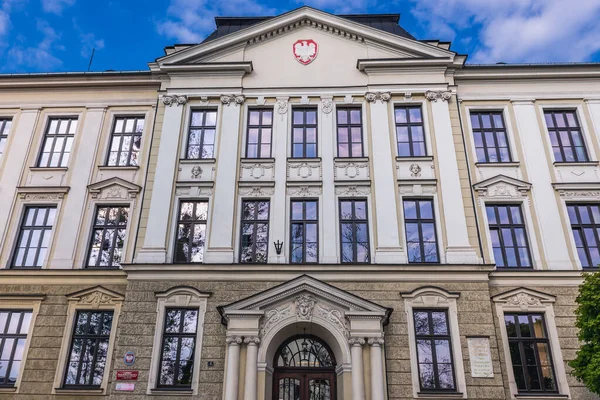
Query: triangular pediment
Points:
[114, 188]
[305, 287]
[96, 296]
[502, 186]
[382, 44]
[523, 297]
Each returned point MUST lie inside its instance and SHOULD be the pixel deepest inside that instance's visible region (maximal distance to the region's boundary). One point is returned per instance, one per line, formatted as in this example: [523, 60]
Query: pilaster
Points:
[328, 139]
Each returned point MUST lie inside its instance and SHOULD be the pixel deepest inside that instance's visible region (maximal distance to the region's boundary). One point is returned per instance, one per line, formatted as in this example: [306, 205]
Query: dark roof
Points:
[385, 22]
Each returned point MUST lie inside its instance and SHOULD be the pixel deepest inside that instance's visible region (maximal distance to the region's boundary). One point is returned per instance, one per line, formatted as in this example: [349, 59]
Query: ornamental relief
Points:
[174, 100]
[235, 99]
[326, 106]
[257, 171]
[257, 191]
[96, 298]
[114, 192]
[351, 170]
[196, 191]
[304, 170]
[523, 299]
[352, 190]
[41, 196]
[503, 191]
[435, 95]
[304, 191]
[584, 194]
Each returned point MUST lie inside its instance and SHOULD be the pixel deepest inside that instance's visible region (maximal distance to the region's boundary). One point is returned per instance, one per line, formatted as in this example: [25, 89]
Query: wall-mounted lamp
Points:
[278, 246]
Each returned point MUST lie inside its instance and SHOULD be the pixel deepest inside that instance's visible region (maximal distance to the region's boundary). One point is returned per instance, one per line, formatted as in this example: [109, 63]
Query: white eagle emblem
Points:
[305, 51]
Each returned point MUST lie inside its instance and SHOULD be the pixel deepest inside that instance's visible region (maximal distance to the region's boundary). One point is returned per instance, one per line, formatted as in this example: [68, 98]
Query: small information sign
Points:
[125, 387]
[481, 357]
[126, 375]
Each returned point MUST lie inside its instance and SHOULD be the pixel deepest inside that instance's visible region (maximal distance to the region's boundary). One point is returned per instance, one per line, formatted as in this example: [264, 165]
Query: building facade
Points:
[306, 206]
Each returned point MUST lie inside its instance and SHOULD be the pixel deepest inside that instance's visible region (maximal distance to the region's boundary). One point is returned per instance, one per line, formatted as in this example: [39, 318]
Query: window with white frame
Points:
[566, 137]
[255, 231]
[260, 133]
[177, 340]
[354, 231]
[191, 231]
[490, 137]
[421, 237]
[434, 342]
[14, 327]
[5, 124]
[108, 236]
[410, 135]
[304, 133]
[125, 142]
[34, 236]
[508, 235]
[349, 132]
[58, 142]
[201, 136]
[585, 225]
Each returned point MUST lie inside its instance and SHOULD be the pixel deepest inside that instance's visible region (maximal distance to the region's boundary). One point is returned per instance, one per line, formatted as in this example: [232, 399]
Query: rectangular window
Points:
[585, 224]
[409, 132]
[5, 124]
[125, 142]
[108, 236]
[14, 326]
[89, 349]
[260, 129]
[489, 135]
[255, 231]
[434, 350]
[58, 142]
[421, 238]
[34, 237]
[304, 234]
[509, 237]
[191, 231]
[349, 132]
[178, 347]
[565, 136]
[201, 137]
[304, 133]
[530, 353]
[354, 231]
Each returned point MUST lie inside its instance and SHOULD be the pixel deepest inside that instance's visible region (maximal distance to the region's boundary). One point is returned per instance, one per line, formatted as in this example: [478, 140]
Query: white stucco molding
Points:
[502, 186]
[578, 191]
[235, 99]
[435, 95]
[524, 300]
[372, 97]
[174, 100]
[114, 188]
[42, 193]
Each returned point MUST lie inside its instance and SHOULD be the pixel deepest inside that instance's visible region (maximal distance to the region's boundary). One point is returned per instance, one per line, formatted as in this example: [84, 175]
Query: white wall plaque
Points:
[481, 357]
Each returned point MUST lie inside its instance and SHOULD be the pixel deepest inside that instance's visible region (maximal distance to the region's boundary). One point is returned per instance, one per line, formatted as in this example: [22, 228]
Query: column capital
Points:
[434, 95]
[356, 341]
[236, 99]
[233, 340]
[376, 341]
[174, 100]
[372, 97]
[252, 340]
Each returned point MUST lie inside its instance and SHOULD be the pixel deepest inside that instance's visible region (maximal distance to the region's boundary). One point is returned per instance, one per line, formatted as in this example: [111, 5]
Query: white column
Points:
[377, 385]
[14, 158]
[278, 201]
[233, 367]
[544, 196]
[220, 240]
[250, 389]
[327, 133]
[388, 248]
[154, 248]
[83, 160]
[459, 250]
[358, 383]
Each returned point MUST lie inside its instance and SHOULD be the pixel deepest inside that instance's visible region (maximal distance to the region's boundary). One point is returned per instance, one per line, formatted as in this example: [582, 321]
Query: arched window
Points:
[304, 351]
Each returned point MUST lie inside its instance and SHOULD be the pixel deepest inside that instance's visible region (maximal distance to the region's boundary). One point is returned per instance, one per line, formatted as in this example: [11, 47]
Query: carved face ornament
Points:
[305, 51]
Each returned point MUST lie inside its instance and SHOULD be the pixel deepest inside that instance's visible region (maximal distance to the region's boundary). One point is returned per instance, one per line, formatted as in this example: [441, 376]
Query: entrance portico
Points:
[323, 317]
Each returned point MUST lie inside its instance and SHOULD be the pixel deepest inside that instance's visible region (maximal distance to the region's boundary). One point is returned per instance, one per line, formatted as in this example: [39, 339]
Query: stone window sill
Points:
[173, 392]
[257, 160]
[303, 159]
[197, 160]
[538, 396]
[58, 169]
[8, 389]
[439, 395]
[351, 159]
[119, 168]
[497, 164]
[80, 392]
[419, 158]
[576, 164]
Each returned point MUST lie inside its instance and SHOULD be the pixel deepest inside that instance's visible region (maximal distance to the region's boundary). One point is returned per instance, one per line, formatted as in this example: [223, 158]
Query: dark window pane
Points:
[349, 127]
[509, 236]
[258, 140]
[179, 342]
[420, 230]
[34, 236]
[354, 235]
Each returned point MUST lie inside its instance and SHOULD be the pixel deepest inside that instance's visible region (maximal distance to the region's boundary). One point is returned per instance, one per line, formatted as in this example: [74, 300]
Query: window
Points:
[108, 236]
[191, 231]
[201, 138]
[304, 236]
[5, 124]
[58, 142]
[255, 231]
[585, 224]
[530, 352]
[434, 350]
[260, 128]
[34, 237]
[409, 132]
[349, 132]
[89, 349]
[125, 142]
[509, 238]
[14, 325]
[304, 133]
[421, 238]
[489, 134]
[565, 136]
[178, 346]
[354, 231]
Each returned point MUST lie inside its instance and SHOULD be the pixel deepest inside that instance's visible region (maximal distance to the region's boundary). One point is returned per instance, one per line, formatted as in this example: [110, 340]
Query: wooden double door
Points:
[304, 384]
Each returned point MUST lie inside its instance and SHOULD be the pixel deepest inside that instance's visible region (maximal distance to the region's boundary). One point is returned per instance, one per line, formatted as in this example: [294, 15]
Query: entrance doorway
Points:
[304, 369]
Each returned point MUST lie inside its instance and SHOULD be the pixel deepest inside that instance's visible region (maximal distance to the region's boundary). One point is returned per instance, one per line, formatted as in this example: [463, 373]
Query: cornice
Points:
[119, 79]
[534, 72]
[536, 278]
[62, 277]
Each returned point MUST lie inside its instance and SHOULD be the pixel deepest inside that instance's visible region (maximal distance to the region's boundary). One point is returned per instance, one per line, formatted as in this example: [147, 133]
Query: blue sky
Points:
[59, 35]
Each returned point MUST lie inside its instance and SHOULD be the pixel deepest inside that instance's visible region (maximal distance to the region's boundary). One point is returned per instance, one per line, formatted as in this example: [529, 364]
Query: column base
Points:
[394, 255]
[462, 255]
[219, 256]
[151, 256]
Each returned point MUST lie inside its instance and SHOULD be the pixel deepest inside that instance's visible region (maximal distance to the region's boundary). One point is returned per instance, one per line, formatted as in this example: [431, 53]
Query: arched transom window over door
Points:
[304, 370]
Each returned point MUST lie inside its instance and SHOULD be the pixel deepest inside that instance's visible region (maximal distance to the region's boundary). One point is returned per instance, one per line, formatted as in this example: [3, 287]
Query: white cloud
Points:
[517, 30]
[56, 6]
[39, 57]
[89, 42]
[340, 6]
[189, 21]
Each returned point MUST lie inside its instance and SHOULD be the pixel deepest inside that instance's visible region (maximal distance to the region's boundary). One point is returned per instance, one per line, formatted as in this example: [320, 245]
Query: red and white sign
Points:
[305, 51]
[125, 387]
[127, 375]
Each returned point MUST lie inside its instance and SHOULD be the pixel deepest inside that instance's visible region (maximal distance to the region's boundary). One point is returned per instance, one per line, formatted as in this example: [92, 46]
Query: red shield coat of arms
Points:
[305, 51]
